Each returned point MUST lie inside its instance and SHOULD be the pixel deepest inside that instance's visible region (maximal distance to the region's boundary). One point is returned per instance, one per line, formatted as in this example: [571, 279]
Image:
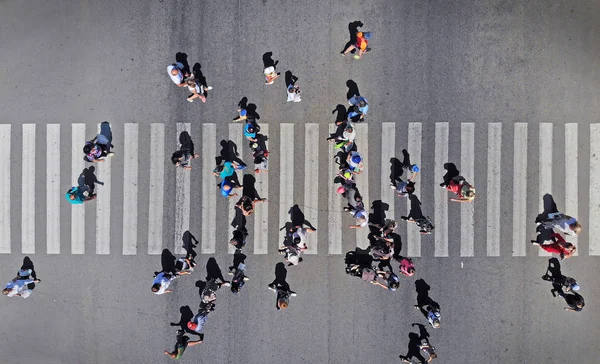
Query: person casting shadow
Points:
[229, 153]
[89, 179]
[428, 307]
[414, 350]
[353, 29]
[298, 219]
[186, 316]
[451, 172]
[341, 114]
[281, 287]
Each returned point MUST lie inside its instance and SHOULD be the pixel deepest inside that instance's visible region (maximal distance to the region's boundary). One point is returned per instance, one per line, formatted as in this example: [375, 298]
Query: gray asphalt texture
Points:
[432, 61]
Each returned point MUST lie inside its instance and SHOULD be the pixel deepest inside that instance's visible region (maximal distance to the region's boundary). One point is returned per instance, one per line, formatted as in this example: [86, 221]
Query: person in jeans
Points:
[358, 108]
[183, 341]
[564, 223]
[177, 74]
[19, 286]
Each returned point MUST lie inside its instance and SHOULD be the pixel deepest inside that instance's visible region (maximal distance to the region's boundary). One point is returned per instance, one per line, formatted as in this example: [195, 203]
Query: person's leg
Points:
[349, 49]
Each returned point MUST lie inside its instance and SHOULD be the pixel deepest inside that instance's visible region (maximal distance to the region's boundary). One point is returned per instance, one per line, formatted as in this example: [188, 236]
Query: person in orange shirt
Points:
[362, 42]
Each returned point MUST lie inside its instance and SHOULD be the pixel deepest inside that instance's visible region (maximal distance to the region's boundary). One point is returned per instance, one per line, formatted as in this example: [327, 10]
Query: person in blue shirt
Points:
[250, 132]
[19, 285]
[227, 169]
[77, 195]
[162, 282]
[359, 108]
[227, 185]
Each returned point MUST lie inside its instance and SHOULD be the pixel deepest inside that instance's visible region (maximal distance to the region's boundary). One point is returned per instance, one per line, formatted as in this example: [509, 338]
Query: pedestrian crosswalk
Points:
[146, 205]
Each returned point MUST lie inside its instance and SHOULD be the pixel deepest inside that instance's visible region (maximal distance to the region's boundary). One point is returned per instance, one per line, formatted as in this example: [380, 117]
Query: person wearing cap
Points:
[270, 75]
[358, 108]
[283, 294]
[405, 188]
[362, 42]
[355, 162]
[463, 189]
[183, 341]
[162, 281]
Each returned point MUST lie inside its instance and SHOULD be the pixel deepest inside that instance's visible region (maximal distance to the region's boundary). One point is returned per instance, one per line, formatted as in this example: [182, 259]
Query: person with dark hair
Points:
[183, 341]
[250, 131]
[293, 90]
[183, 158]
[246, 204]
[558, 246]
[78, 195]
[574, 301]
[407, 266]
[185, 265]
[391, 280]
[239, 277]
[162, 281]
[96, 149]
[261, 158]
[361, 44]
[227, 169]
[283, 293]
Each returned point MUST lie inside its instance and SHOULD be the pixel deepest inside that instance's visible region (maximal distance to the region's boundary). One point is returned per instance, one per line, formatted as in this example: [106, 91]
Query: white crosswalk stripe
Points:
[493, 189]
[28, 190]
[520, 190]
[415, 138]
[262, 234]
[467, 212]
[441, 195]
[78, 138]
[53, 194]
[5, 218]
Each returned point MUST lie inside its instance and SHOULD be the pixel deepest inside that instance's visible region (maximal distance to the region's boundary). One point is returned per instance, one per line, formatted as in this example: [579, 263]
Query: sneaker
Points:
[293, 294]
[190, 100]
[208, 88]
[272, 287]
[110, 154]
[392, 186]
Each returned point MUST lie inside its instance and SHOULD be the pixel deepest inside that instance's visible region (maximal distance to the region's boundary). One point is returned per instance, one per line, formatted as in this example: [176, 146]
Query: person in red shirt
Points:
[558, 246]
[362, 42]
[460, 187]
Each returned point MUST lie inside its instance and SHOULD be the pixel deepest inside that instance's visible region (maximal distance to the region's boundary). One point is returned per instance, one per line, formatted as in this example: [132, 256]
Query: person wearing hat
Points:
[362, 42]
[183, 341]
[283, 294]
[405, 188]
[177, 74]
[355, 162]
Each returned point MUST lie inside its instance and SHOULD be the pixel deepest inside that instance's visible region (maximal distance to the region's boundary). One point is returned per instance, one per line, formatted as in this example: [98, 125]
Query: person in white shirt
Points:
[293, 90]
[362, 218]
[198, 90]
[564, 223]
[162, 282]
[177, 74]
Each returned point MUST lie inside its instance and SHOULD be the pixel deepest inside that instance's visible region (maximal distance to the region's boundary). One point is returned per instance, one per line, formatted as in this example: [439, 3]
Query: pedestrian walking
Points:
[346, 140]
[78, 195]
[559, 221]
[460, 187]
[97, 149]
[227, 169]
[238, 239]
[392, 282]
[407, 267]
[431, 310]
[250, 131]
[558, 246]
[183, 341]
[162, 281]
[246, 204]
[359, 107]
[293, 90]
[261, 158]
[239, 277]
[283, 294]
[183, 158]
[361, 46]
[405, 188]
[22, 285]
[362, 218]
[270, 66]
[177, 73]
[574, 301]
[198, 90]
[355, 162]
[185, 265]
[227, 185]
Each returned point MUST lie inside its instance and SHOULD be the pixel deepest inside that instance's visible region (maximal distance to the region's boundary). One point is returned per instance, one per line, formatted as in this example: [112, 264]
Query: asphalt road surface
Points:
[507, 91]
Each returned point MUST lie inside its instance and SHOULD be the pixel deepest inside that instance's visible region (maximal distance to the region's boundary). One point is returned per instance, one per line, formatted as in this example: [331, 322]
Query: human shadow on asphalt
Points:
[415, 208]
[89, 179]
[281, 276]
[28, 264]
[213, 271]
[268, 60]
[167, 262]
[182, 58]
[261, 140]
[414, 351]
[189, 242]
[238, 257]
[196, 70]
[186, 142]
[549, 207]
[451, 172]
[341, 114]
[359, 256]
[298, 219]
[397, 167]
[249, 189]
[229, 153]
[251, 112]
[339, 130]
[423, 298]
[290, 79]
[352, 29]
[378, 215]
[553, 274]
[352, 89]
[186, 316]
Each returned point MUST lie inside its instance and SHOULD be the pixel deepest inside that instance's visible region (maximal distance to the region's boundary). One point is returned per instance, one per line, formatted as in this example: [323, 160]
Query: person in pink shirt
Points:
[407, 266]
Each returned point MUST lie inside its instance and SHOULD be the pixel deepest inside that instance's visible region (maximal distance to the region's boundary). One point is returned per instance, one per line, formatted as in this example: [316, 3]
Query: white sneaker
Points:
[208, 88]
[190, 100]
[110, 154]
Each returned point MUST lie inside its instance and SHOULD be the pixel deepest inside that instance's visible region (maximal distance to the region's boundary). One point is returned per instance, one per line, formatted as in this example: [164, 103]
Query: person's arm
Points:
[379, 284]
[196, 342]
[232, 195]
[412, 177]
[354, 226]
[460, 200]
